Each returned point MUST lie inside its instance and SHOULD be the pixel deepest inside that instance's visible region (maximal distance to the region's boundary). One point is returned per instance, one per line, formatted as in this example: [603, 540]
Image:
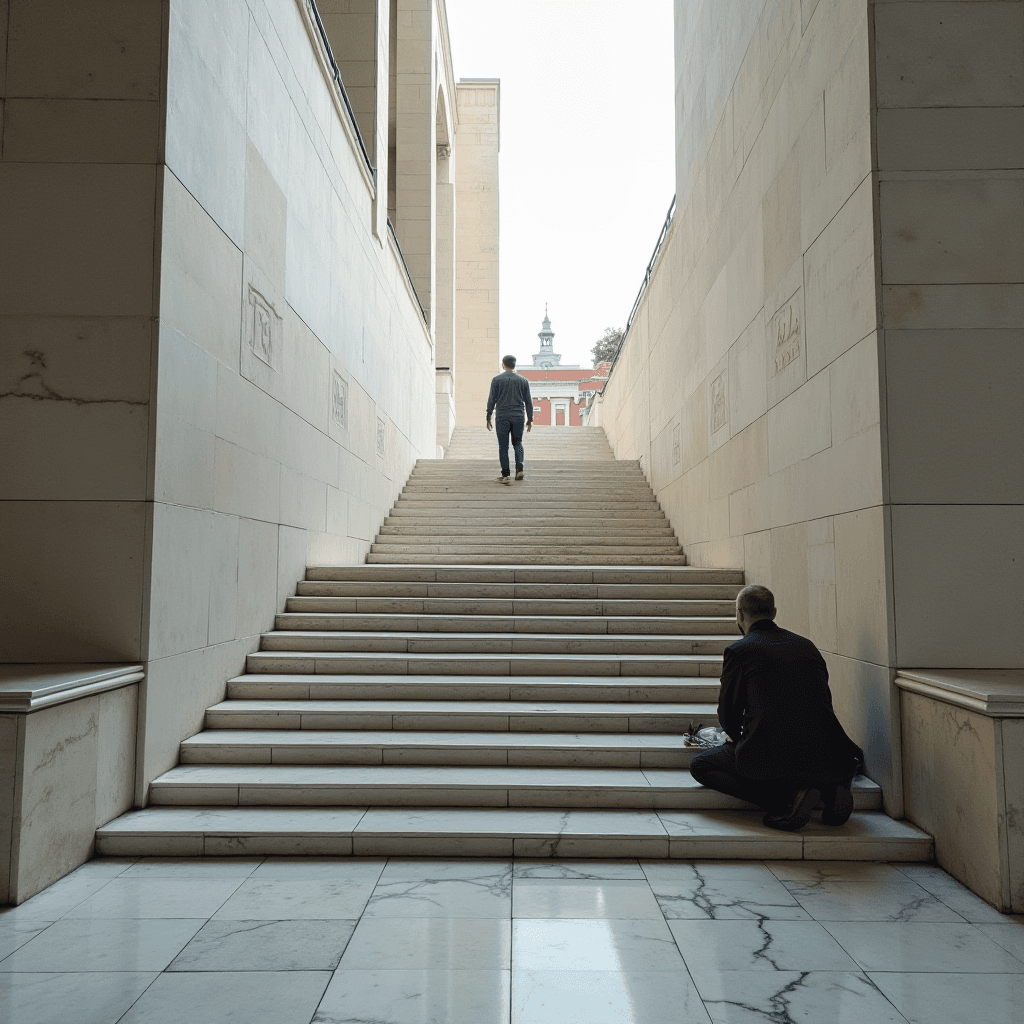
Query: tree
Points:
[607, 345]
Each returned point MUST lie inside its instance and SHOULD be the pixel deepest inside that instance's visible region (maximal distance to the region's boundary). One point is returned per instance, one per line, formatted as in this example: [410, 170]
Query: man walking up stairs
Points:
[511, 673]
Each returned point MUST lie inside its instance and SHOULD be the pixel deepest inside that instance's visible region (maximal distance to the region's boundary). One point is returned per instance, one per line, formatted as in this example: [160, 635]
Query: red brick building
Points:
[559, 392]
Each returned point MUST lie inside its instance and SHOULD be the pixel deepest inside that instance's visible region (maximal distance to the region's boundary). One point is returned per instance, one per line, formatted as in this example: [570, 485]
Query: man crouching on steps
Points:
[510, 394]
[787, 750]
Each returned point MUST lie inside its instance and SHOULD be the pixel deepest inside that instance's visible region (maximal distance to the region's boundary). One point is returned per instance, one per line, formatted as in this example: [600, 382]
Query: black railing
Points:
[647, 280]
[408, 272]
[340, 84]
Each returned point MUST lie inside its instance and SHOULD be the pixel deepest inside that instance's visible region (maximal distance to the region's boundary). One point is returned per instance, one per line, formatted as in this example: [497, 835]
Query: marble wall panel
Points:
[117, 720]
[58, 130]
[74, 411]
[257, 576]
[964, 54]
[957, 599]
[108, 51]
[292, 552]
[868, 704]
[955, 417]
[953, 306]
[952, 791]
[747, 387]
[246, 484]
[90, 226]
[206, 154]
[950, 138]
[1013, 781]
[8, 775]
[95, 614]
[801, 425]
[839, 281]
[222, 623]
[789, 577]
[952, 231]
[862, 597]
[266, 217]
[200, 275]
[57, 815]
[854, 389]
[848, 95]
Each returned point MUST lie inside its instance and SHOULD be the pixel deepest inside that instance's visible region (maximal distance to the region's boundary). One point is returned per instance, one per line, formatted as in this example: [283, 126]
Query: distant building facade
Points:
[560, 392]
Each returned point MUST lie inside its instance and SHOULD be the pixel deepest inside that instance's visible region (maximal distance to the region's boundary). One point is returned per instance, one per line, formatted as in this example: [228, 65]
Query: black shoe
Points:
[798, 814]
[838, 800]
[520, 472]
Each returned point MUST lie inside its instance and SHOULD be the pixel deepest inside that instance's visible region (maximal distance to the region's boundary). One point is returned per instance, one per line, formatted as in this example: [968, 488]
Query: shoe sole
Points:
[801, 814]
[842, 808]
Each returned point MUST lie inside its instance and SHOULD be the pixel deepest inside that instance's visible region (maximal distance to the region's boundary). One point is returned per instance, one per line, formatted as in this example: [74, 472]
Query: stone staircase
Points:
[511, 673]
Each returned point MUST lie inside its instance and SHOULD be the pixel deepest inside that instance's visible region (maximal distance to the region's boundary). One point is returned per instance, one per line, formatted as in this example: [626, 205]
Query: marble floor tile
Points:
[98, 998]
[1009, 935]
[486, 896]
[255, 997]
[430, 944]
[328, 869]
[917, 947]
[274, 899]
[578, 898]
[193, 867]
[814, 872]
[524, 867]
[265, 946]
[712, 892]
[889, 900]
[416, 997]
[157, 898]
[103, 945]
[716, 870]
[784, 997]
[54, 902]
[104, 867]
[956, 896]
[489, 872]
[605, 997]
[949, 998]
[593, 945]
[710, 947]
[16, 933]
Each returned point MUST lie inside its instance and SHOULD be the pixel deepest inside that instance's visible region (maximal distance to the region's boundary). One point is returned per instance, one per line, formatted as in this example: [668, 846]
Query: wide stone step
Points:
[704, 611]
[605, 750]
[268, 686]
[492, 643]
[512, 573]
[500, 832]
[540, 539]
[401, 663]
[528, 488]
[616, 592]
[463, 716]
[464, 548]
[479, 623]
[452, 786]
[557, 558]
[530, 516]
[436, 525]
[504, 497]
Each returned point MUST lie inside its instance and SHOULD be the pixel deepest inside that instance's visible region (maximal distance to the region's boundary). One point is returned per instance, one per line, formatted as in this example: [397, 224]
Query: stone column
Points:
[476, 246]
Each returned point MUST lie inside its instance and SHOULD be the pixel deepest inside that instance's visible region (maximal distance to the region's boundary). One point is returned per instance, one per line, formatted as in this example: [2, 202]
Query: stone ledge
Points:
[26, 688]
[997, 693]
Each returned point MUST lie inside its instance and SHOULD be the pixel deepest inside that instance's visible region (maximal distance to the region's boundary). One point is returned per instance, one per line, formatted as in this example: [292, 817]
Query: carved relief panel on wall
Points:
[264, 329]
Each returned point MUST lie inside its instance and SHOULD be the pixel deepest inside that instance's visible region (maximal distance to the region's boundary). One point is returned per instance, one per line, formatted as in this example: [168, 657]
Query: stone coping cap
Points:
[996, 692]
[25, 688]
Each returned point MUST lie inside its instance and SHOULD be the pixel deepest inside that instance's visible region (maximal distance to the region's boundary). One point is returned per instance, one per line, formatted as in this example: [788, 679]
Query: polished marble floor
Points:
[402, 941]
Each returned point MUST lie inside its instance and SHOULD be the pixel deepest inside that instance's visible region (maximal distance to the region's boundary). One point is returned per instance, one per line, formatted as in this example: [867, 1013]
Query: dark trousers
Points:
[506, 426]
[716, 769]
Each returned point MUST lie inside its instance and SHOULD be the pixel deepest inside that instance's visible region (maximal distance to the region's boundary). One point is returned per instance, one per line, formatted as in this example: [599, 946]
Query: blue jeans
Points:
[509, 425]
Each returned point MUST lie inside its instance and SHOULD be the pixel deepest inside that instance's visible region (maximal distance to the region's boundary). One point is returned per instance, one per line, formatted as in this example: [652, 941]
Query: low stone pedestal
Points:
[963, 774]
[67, 763]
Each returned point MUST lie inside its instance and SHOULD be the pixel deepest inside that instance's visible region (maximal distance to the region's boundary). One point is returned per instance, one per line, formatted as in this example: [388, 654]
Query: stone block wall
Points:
[749, 384]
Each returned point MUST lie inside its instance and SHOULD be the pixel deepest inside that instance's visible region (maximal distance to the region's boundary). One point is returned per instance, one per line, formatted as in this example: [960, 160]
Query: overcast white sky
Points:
[587, 155]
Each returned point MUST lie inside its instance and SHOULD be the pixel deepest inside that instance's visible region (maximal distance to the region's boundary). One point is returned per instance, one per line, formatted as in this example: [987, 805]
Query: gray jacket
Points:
[509, 394]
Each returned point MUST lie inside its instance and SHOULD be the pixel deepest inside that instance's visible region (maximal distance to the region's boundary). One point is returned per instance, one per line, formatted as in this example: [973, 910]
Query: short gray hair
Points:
[756, 600]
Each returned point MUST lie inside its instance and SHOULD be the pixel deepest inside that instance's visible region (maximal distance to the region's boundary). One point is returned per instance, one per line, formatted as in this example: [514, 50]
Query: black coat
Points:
[776, 705]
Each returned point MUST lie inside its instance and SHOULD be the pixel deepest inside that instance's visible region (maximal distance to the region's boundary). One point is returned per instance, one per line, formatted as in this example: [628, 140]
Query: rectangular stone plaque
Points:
[677, 445]
[719, 407]
[784, 334]
[339, 400]
[264, 329]
[381, 436]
